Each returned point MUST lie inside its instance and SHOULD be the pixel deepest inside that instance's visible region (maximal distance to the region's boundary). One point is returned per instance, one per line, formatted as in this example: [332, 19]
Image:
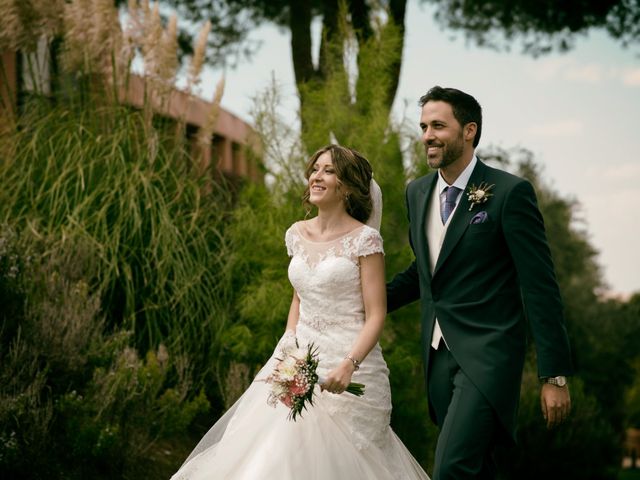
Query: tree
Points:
[543, 25]
[346, 27]
[233, 20]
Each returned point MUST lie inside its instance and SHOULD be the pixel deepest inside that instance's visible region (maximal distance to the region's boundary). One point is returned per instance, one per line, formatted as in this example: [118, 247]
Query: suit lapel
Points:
[422, 244]
[461, 217]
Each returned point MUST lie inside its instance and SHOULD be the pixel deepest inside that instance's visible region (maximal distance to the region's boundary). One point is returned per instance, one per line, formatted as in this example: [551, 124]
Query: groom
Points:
[482, 271]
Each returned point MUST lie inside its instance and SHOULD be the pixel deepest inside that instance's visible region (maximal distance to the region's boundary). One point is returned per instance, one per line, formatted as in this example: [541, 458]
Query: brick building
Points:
[234, 147]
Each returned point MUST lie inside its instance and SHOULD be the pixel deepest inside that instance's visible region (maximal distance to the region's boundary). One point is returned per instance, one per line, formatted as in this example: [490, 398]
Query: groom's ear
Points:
[470, 130]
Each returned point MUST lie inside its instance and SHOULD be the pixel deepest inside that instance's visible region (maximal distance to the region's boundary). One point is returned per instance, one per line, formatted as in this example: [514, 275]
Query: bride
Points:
[339, 305]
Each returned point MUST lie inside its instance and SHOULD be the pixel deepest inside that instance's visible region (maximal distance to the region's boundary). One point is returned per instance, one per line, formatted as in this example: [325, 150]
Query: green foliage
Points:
[350, 104]
[11, 288]
[261, 292]
[629, 474]
[543, 26]
[580, 448]
[95, 173]
[114, 245]
[75, 400]
[125, 409]
[632, 397]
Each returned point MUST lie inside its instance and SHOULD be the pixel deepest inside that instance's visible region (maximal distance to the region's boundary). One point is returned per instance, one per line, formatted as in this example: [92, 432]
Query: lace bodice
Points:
[359, 242]
[326, 276]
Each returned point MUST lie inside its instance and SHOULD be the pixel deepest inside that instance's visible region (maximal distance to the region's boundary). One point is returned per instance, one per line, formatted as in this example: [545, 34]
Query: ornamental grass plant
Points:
[75, 171]
[113, 252]
[79, 164]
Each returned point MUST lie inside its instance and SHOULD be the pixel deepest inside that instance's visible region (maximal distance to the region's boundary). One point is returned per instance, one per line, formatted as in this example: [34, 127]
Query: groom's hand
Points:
[556, 404]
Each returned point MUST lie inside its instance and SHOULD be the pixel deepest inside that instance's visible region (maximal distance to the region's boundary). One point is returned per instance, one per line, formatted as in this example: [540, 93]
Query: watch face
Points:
[560, 381]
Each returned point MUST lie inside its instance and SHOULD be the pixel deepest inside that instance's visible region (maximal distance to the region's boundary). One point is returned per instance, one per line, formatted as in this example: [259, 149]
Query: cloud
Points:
[560, 128]
[624, 173]
[571, 70]
[548, 69]
[591, 73]
[614, 232]
[631, 77]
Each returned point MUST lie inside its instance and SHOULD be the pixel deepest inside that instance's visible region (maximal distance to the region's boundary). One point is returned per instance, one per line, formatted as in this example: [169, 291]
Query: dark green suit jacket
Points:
[488, 279]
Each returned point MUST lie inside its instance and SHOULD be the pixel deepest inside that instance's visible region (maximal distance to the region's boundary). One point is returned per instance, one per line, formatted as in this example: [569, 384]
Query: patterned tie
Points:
[448, 202]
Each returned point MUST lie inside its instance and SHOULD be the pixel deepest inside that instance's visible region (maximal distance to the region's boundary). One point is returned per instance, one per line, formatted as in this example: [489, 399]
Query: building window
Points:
[36, 69]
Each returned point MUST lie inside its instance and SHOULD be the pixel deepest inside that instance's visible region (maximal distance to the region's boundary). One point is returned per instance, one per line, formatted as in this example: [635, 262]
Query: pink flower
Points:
[287, 400]
[299, 385]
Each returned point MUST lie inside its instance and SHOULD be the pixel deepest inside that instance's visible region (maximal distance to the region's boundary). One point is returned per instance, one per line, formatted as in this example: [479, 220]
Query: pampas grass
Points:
[206, 131]
[93, 40]
[159, 243]
[24, 22]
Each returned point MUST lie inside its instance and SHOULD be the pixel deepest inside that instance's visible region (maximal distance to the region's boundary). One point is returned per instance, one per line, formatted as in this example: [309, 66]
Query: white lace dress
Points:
[340, 436]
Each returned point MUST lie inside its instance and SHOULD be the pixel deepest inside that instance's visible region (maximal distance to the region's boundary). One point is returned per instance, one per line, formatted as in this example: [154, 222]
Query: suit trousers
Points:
[468, 424]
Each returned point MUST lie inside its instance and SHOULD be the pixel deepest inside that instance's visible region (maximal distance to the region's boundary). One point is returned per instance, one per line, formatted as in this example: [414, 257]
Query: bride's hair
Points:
[354, 174]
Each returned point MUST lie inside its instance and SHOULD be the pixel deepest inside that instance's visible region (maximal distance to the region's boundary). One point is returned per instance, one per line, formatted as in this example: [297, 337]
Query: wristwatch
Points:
[559, 381]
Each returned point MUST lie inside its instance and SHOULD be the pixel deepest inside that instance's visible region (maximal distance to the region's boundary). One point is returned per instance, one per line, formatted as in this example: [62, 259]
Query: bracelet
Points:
[356, 363]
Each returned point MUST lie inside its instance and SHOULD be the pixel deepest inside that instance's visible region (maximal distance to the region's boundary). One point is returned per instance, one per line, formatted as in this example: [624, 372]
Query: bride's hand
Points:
[338, 379]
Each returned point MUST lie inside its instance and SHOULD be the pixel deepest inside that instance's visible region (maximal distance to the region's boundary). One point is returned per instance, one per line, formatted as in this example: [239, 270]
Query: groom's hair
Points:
[354, 174]
[466, 109]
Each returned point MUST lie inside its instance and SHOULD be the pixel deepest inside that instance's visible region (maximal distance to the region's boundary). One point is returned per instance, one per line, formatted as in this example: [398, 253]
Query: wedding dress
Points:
[340, 436]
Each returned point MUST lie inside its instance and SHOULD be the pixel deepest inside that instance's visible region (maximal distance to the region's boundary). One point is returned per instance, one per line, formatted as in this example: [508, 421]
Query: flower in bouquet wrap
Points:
[294, 378]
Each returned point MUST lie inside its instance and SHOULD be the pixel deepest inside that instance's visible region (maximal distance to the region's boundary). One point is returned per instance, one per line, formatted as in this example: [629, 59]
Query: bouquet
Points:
[294, 378]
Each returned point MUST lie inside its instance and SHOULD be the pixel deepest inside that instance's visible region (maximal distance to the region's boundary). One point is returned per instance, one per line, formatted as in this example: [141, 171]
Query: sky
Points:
[577, 112]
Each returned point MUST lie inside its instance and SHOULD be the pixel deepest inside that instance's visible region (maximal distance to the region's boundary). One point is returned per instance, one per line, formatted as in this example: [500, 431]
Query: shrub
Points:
[581, 448]
[76, 401]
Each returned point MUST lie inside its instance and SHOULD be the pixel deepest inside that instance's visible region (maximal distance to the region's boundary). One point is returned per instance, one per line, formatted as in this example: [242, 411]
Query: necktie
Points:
[448, 202]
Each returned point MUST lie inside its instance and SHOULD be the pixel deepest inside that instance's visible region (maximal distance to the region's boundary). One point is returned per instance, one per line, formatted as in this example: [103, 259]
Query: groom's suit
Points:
[494, 270]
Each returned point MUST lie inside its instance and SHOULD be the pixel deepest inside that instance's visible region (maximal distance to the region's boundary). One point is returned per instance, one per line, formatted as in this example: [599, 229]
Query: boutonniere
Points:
[479, 195]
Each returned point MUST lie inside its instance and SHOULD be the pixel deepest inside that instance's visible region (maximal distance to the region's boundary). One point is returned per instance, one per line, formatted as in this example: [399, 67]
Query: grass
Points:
[95, 174]
[627, 474]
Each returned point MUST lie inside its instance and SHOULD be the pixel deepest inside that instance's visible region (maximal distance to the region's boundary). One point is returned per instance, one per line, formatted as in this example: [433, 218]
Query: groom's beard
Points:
[449, 152]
